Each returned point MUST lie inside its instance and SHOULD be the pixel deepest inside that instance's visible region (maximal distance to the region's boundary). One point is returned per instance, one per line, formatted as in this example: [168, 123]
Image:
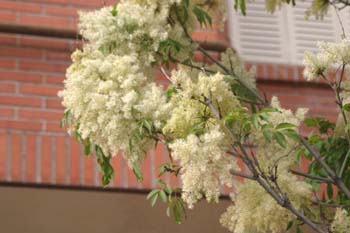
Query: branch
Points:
[278, 197]
[316, 154]
[344, 164]
[318, 178]
[235, 173]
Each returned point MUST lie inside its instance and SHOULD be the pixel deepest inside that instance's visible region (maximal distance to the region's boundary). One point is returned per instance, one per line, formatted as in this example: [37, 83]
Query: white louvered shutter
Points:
[259, 36]
[304, 34]
[284, 36]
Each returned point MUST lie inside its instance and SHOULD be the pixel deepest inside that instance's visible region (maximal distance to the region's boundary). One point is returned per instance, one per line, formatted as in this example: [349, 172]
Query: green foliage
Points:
[65, 120]
[240, 5]
[346, 107]
[175, 205]
[136, 168]
[145, 130]
[333, 151]
[114, 10]
[169, 168]
[202, 16]
[104, 165]
[323, 125]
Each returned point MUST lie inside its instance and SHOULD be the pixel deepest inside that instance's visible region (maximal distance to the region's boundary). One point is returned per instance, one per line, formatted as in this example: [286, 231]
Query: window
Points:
[281, 37]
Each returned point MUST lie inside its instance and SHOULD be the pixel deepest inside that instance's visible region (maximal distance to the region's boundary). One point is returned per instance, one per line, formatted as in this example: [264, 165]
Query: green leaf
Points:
[291, 133]
[242, 6]
[168, 211]
[325, 125]
[170, 92]
[290, 224]
[137, 171]
[152, 193]
[65, 119]
[176, 214]
[104, 165]
[154, 198]
[114, 10]
[311, 122]
[169, 45]
[88, 147]
[330, 191]
[346, 107]
[285, 125]
[281, 139]
[267, 134]
[202, 16]
[163, 196]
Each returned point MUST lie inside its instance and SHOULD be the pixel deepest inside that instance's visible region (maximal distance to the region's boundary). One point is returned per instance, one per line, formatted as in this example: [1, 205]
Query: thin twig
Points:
[318, 178]
[235, 173]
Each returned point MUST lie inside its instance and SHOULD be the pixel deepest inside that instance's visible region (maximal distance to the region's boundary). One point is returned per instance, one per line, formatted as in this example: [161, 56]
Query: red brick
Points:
[20, 52]
[209, 36]
[51, 1]
[74, 156]
[90, 3]
[158, 158]
[260, 71]
[20, 76]
[40, 114]
[270, 71]
[53, 22]
[61, 11]
[55, 79]
[8, 39]
[60, 160]
[20, 6]
[89, 170]
[7, 63]
[46, 159]
[290, 72]
[16, 154]
[117, 164]
[7, 17]
[132, 181]
[30, 89]
[20, 101]
[38, 42]
[42, 66]
[3, 149]
[20, 125]
[55, 103]
[30, 157]
[146, 171]
[58, 56]
[6, 112]
[7, 87]
[55, 127]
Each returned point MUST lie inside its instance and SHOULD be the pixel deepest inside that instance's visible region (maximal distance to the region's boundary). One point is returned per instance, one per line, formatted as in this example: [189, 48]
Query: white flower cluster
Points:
[270, 152]
[193, 89]
[330, 54]
[251, 212]
[255, 211]
[341, 222]
[135, 27]
[107, 95]
[205, 166]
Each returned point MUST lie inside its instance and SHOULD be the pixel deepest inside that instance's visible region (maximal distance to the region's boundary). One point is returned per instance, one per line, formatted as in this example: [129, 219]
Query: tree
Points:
[210, 117]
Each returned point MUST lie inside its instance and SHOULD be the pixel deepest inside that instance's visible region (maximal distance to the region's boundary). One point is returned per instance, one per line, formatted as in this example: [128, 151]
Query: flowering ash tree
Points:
[211, 117]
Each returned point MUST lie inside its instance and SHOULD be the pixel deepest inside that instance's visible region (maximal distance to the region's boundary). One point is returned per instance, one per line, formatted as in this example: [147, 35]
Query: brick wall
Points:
[34, 149]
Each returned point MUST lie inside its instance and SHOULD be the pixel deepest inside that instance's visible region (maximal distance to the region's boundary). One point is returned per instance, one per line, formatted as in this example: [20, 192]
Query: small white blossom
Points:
[341, 222]
[205, 166]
